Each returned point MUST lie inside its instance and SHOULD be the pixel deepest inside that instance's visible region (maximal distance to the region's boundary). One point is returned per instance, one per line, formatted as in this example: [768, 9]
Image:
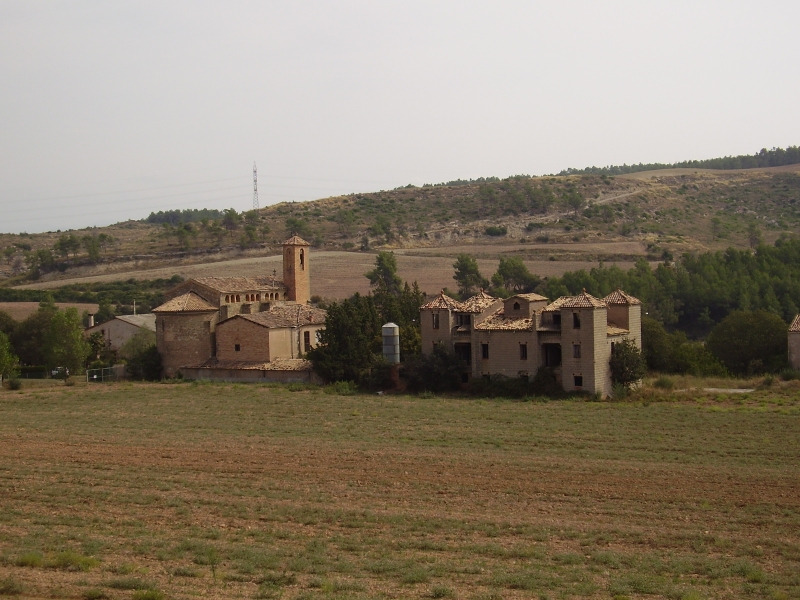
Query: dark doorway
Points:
[552, 355]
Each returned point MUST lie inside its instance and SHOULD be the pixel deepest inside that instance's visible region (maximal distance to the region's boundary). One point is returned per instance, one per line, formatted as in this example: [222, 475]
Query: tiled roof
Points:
[614, 330]
[478, 303]
[188, 302]
[620, 297]
[795, 326]
[555, 305]
[531, 297]
[239, 284]
[279, 364]
[146, 321]
[287, 315]
[583, 300]
[444, 301]
[499, 322]
[296, 240]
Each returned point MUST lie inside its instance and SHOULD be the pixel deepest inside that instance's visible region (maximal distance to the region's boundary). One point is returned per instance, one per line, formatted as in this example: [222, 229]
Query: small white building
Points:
[120, 329]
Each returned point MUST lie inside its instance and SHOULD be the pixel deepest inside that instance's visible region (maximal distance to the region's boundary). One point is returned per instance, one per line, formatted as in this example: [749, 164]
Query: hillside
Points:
[558, 218]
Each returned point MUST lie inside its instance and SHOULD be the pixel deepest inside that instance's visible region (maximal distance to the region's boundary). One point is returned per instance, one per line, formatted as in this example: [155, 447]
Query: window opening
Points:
[436, 320]
[576, 321]
[576, 351]
[307, 340]
[237, 347]
[485, 351]
[516, 305]
[523, 351]
[578, 381]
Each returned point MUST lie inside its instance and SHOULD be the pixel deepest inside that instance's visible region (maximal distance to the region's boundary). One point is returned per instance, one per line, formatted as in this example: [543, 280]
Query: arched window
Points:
[516, 305]
[227, 298]
[238, 298]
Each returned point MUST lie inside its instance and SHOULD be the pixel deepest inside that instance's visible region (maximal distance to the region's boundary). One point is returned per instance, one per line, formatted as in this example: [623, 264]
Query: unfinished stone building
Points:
[573, 335]
[242, 328]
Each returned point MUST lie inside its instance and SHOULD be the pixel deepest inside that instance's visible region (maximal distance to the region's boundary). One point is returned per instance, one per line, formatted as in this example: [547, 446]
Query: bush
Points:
[72, 561]
[148, 595]
[500, 386]
[750, 342]
[439, 371]
[341, 388]
[10, 587]
[15, 384]
[664, 383]
[495, 230]
[627, 363]
[790, 374]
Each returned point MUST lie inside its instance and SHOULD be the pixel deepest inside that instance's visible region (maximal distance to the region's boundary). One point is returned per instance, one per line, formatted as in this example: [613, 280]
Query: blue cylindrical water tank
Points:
[391, 343]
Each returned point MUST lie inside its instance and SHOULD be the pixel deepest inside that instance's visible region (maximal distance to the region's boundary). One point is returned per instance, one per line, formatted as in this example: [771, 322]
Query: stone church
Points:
[242, 328]
[573, 335]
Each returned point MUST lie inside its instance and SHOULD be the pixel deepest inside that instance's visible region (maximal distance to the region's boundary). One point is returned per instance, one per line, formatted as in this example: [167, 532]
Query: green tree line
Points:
[777, 157]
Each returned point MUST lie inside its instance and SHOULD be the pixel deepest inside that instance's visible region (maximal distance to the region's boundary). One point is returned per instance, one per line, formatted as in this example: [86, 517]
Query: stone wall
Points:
[185, 339]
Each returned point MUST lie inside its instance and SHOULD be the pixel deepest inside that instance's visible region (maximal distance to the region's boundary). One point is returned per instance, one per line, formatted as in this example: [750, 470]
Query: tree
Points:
[574, 200]
[512, 275]
[754, 236]
[750, 342]
[28, 337]
[7, 323]
[345, 219]
[8, 360]
[231, 219]
[141, 354]
[384, 277]
[350, 343]
[439, 371]
[468, 276]
[64, 343]
[627, 363]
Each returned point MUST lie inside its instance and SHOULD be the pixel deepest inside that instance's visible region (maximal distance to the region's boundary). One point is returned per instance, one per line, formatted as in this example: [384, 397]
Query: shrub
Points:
[94, 594]
[790, 374]
[495, 230]
[15, 384]
[627, 364]
[148, 595]
[664, 383]
[30, 559]
[10, 587]
[439, 371]
[72, 561]
[341, 388]
[442, 591]
[184, 572]
[750, 342]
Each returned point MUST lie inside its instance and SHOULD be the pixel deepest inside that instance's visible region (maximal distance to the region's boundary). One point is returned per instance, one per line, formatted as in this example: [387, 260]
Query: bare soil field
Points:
[20, 311]
[339, 274]
[237, 491]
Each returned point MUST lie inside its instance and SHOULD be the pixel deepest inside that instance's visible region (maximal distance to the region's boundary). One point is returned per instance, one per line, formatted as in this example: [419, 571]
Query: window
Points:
[576, 351]
[523, 351]
[238, 298]
[227, 298]
[237, 347]
[485, 351]
[307, 340]
[576, 321]
[436, 320]
[557, 319]
[516, 305]
[302, 259]
[613, 347]
[578, 381]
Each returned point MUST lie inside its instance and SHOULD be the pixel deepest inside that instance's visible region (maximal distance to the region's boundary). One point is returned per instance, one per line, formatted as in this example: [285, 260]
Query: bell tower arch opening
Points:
[296, 272]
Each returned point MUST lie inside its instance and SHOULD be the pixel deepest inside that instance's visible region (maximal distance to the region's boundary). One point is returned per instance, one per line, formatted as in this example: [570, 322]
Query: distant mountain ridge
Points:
[777, 157]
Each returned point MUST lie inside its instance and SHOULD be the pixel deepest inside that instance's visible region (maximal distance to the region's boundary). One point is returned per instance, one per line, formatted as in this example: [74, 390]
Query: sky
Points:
[110, 110]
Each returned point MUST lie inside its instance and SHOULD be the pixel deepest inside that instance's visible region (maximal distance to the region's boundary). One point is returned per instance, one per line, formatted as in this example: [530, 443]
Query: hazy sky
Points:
[110, 110]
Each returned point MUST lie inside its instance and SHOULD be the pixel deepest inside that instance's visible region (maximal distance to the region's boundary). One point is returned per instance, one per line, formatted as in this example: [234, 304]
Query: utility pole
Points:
[255, 187]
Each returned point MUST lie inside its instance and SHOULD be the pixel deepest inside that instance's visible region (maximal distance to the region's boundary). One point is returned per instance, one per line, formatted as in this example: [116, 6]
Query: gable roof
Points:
[620, 297]
[555, 305]
[478, 303]
[795, 326]
[444, 301]
[188, 302]
[286, 315]
[145, 321]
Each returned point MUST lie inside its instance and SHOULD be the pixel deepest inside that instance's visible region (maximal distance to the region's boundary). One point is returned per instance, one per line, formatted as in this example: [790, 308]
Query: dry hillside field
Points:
[137, 491]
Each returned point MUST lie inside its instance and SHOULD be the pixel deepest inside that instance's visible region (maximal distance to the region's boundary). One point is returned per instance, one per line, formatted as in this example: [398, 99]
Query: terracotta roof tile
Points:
[499, 322]
[583, 300]
[614, 330]
[478, 303]
[555, 305]
[296, 240]
[620, 297]
[443, 301]
[531, 297]
[188, 302]
[795, 326]
[287, 315]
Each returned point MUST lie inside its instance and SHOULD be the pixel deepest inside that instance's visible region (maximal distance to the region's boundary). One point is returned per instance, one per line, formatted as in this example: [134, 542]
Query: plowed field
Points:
[226, 491]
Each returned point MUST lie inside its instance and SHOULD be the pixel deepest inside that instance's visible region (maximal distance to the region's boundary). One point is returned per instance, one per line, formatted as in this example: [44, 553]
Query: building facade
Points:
[573, 335]
[794, 343]
[214, 325]
[122, 328]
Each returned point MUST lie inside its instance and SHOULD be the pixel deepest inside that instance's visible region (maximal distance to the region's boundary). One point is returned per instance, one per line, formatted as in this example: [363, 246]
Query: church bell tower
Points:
[296, 272]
